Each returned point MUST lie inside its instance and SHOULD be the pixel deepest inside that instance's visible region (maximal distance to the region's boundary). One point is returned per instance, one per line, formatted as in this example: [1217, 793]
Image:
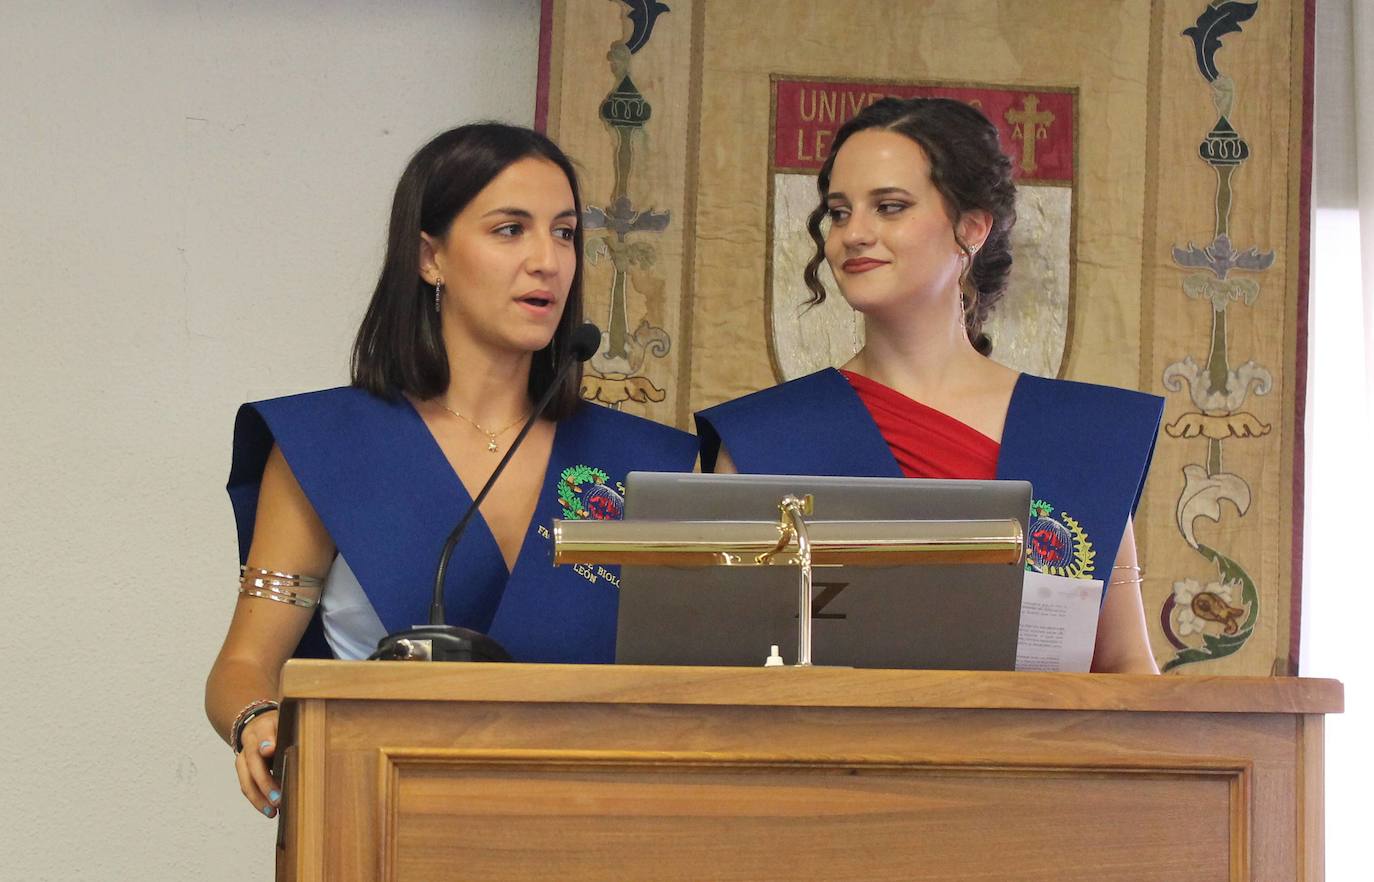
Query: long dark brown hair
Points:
[967, 167]
[400, 345]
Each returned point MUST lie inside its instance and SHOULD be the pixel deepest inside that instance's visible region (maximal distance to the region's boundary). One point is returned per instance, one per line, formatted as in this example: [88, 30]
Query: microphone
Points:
[439, 641]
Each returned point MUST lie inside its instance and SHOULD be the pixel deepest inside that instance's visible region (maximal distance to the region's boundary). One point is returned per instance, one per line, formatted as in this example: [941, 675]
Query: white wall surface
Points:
[193, 198]
[1340, 417]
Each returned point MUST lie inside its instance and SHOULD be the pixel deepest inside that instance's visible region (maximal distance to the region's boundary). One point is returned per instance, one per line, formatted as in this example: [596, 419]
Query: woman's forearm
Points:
[233, 684]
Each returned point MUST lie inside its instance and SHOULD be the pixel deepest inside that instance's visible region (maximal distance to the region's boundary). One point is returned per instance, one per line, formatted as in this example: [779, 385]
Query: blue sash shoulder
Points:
[814, 425]
[388, 498]
[1086, 450]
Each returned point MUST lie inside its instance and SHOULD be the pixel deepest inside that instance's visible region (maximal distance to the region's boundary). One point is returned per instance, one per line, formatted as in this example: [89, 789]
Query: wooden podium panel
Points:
[413, 771]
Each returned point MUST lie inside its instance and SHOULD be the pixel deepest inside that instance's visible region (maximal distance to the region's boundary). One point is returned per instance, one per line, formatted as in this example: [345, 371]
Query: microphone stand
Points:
[439, 641]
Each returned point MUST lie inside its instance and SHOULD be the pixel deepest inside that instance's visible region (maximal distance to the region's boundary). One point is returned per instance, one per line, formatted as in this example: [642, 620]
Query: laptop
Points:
[948, 617]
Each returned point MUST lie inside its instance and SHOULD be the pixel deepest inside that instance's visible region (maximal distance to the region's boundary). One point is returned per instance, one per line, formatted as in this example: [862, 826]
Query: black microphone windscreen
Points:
[585, 341]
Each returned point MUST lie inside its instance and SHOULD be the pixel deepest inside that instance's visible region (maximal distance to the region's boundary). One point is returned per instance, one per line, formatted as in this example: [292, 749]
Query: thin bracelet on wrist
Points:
[255, 709]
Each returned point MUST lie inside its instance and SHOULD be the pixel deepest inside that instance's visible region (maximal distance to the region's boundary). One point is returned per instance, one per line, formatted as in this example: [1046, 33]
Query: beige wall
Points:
[192, 203]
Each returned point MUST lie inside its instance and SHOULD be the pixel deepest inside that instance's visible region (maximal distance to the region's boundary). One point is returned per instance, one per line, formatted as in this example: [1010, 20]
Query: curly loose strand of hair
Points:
[812, 274]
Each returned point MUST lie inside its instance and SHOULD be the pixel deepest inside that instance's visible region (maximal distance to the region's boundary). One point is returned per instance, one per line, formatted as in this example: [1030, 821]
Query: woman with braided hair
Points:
[916, 205]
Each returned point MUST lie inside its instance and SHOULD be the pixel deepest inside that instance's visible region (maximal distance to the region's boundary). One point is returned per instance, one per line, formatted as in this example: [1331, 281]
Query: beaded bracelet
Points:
[257, 708]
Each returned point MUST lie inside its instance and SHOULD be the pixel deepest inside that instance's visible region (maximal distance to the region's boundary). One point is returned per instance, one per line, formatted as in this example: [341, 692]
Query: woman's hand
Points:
[254, 764]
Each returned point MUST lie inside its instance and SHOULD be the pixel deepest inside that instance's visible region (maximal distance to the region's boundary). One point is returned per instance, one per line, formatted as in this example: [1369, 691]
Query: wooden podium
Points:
[421, 771]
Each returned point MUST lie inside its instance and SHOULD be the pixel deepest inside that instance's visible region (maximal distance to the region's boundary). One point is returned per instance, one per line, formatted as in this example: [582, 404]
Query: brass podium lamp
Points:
[789, 541]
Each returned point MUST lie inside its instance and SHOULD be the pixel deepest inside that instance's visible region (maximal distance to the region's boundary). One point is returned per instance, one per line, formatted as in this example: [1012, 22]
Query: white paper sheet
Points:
[1058, 623]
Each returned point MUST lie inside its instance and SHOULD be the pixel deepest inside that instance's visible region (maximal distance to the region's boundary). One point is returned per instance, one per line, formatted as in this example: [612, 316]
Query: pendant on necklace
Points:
[491, 444]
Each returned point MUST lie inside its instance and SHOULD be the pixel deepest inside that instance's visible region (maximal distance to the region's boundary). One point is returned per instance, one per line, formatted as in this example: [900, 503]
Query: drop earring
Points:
[968, 295]
[438, 294]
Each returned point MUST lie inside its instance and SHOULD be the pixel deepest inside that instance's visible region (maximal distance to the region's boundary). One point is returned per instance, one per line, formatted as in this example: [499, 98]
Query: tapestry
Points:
[1160, 149]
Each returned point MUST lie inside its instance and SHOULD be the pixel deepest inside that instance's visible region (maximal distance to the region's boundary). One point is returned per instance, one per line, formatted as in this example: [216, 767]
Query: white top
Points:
[351, 625]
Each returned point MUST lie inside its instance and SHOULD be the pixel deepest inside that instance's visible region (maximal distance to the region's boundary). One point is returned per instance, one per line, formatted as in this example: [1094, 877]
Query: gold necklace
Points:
[492, 446]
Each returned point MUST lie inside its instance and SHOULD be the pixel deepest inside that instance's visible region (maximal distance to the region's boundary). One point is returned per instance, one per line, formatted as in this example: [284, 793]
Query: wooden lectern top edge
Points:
[805, 687]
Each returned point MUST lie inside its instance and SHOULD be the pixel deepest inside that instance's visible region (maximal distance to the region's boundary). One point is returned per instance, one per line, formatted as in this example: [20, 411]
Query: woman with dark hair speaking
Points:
[344, 497]
[915, 214]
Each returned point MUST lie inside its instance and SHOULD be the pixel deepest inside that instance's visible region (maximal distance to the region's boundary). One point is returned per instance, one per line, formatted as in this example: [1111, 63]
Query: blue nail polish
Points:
[264, 745]
[267, 810]
[274, 796]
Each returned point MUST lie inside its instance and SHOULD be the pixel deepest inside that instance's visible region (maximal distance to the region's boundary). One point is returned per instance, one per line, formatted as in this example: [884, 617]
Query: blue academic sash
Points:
[388, 498]
[1085, 449]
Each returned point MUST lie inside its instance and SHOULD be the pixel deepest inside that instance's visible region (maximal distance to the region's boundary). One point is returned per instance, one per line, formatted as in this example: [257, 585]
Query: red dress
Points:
[925, 442]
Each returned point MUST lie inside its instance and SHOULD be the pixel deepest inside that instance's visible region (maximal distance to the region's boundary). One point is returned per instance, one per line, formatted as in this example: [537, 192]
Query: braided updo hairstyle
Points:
[969, 169]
